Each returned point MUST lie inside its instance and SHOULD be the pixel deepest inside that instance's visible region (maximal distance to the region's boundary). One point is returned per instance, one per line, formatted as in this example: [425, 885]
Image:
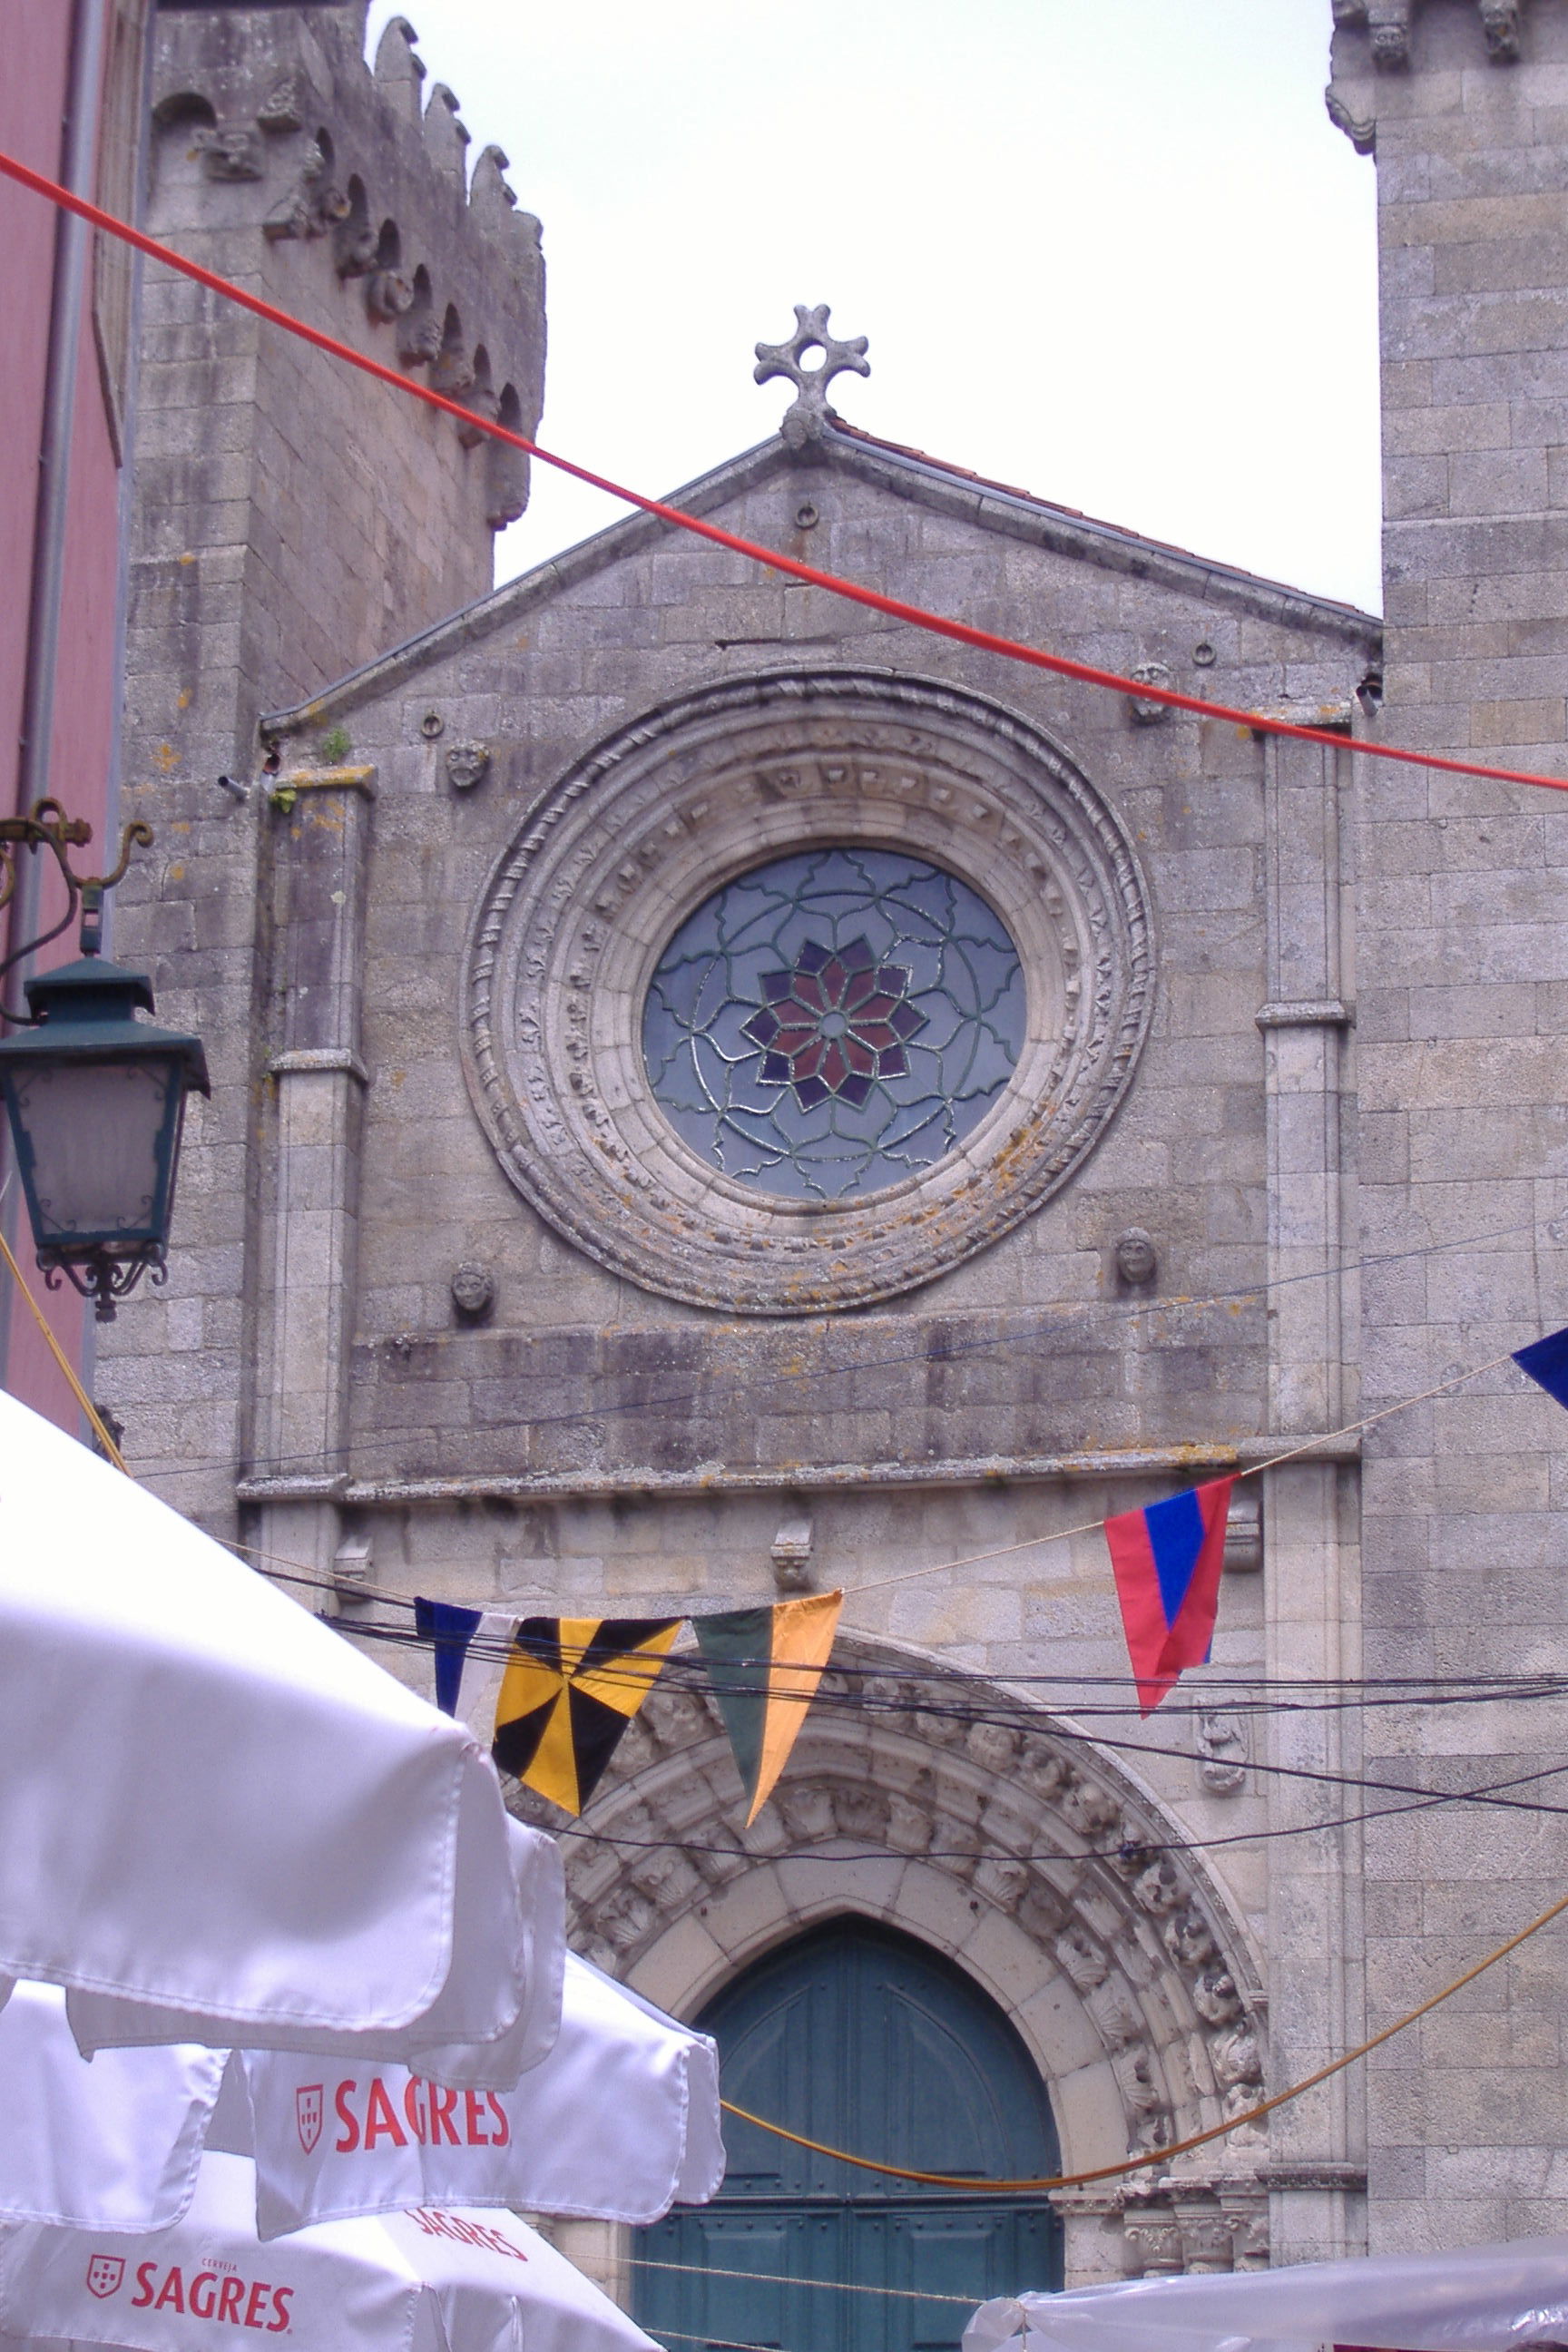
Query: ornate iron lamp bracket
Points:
[47, 826]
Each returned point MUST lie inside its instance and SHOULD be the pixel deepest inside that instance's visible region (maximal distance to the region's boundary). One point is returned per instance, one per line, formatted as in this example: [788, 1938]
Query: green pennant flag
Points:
[764, 1665]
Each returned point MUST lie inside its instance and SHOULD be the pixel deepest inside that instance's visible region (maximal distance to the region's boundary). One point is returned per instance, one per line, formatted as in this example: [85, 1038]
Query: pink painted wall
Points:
[33, 90]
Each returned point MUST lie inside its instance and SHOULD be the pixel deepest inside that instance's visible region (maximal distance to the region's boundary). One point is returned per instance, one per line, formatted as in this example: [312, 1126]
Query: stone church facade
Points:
[717, 1091]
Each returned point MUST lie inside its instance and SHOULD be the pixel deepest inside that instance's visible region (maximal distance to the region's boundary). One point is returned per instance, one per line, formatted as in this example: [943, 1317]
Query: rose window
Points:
[834, 1022]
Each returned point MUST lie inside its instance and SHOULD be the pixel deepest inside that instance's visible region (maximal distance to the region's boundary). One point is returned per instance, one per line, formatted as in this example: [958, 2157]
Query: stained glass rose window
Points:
[834, 1022]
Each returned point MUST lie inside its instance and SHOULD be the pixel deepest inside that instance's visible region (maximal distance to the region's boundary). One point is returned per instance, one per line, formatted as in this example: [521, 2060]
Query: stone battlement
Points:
[279, 102]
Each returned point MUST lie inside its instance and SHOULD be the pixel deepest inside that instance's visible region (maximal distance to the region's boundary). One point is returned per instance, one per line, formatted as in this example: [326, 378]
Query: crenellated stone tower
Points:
[336, 516]
[485, 1281]
[1462, 993]
[291, 518]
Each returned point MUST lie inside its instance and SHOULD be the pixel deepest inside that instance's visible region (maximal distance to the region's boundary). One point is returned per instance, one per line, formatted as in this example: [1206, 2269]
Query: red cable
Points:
[1256, 722]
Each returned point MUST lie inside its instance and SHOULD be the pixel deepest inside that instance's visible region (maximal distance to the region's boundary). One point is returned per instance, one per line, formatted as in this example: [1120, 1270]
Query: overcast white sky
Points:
[1108, 249]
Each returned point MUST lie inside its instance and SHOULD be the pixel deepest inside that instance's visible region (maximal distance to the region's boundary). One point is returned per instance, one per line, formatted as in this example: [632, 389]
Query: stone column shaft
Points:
[300, 1416]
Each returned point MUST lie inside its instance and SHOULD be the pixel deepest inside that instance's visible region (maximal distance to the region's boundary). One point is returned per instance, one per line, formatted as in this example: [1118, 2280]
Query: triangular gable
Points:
[885, 466]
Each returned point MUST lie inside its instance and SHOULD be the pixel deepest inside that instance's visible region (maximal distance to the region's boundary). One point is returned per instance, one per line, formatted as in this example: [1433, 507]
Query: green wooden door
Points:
[865, 2039]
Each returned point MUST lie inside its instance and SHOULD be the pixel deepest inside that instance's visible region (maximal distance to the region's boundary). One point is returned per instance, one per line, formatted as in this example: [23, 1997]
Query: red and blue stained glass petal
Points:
[907, 1021]
[893, 1064]
[854, 1090]
[835, 1068]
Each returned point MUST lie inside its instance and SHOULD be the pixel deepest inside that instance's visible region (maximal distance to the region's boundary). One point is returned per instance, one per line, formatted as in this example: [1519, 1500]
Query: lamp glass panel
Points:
[96, 1140]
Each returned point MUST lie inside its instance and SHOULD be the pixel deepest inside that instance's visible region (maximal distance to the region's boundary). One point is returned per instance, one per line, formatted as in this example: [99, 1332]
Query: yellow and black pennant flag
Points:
[764, 1665]
[571, 1687]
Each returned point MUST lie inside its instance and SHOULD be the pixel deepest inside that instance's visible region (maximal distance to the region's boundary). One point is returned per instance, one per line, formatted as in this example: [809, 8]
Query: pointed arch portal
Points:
[863, 2038]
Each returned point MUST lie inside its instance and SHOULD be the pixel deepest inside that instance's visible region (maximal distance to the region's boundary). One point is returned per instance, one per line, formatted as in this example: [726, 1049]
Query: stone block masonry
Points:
[291, 520]
[1460, 941]
[418, 930]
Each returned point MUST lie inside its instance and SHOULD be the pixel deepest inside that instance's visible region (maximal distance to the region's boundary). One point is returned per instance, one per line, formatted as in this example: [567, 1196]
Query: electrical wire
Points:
[1167, 2155]
[734, 2343]
[1025, 1719]
[780, 2278]
[959, 632]
[998, 1552]
[984, 641]
[63, 1361]
[1062, 1319]
[1141, 1848]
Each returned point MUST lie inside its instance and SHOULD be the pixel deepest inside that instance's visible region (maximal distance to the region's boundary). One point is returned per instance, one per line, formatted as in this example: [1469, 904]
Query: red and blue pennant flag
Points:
[1166, 1559]
[1546, 1361]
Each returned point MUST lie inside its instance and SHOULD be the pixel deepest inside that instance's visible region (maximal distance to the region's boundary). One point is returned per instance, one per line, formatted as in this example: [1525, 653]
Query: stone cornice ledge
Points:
[1319, 1013]
[334, 1061]
[841, 1478]
[325, 780]
[1349, 2179]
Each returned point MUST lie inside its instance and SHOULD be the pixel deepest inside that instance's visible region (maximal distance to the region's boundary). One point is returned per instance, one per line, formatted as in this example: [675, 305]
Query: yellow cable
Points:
[63, 1361]
[1194, 2139]
[904, 2172]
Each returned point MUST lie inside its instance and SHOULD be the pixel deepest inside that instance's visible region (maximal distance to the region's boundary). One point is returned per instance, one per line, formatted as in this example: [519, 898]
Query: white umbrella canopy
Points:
[429, 2280]
[220, 1824]
[617, 2123]
[115, 2143]
[1477, 2299]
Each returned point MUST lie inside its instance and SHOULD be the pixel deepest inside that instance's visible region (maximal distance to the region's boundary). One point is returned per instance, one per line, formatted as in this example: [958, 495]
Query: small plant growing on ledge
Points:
[335, 747]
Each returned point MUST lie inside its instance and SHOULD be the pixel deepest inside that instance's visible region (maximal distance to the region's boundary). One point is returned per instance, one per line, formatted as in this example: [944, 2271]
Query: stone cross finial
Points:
[806, 418]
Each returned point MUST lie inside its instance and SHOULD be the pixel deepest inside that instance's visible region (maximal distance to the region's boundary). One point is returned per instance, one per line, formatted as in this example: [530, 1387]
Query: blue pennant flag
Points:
[450, 1630]
[1546, 1361]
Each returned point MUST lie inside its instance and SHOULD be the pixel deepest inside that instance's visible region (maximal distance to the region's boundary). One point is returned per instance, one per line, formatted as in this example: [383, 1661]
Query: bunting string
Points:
[1251, 1470]
[773, 559]
[1166, 1562]
[1163, 2156]
[591, 1643]
[1035, 1331]
[774, 1688]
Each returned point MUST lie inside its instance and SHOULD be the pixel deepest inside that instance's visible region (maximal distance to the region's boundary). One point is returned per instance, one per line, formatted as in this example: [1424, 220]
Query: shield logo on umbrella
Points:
[105, 2272]
[308, 2114]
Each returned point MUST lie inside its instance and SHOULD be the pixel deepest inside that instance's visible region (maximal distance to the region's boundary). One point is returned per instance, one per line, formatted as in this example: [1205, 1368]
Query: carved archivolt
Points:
[1025, 1825]
[616, 856]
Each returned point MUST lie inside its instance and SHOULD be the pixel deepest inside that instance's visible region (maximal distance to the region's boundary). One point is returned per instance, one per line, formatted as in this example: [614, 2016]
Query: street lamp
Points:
[96, 1100]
